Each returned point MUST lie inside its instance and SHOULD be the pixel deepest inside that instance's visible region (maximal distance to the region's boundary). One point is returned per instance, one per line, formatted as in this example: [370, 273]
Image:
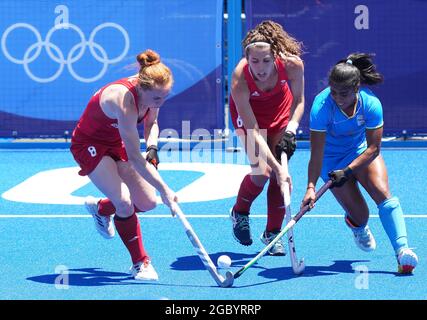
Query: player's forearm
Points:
[317, 146]
[297, 111]
[265, 153]
[314, 169]
[151, 134]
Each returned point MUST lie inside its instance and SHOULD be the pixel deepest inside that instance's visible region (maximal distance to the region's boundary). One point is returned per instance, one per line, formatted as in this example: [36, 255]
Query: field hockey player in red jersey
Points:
[106, 145]
[267, 96]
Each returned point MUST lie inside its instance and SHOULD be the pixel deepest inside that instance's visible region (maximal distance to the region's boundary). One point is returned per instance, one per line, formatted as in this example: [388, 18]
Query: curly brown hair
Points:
[273, 33]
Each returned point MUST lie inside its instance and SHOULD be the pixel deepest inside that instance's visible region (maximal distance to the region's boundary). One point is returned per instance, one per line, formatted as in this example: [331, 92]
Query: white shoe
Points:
[104, 224]
[144, 271]
[407, 261]
[278, 249]
[364, 238]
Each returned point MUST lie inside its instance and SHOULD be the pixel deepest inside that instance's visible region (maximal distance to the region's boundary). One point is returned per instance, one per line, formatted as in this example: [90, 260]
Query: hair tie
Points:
[349, 61]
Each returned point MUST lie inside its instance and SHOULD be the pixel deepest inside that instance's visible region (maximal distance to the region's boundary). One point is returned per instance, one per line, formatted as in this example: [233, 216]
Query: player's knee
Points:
[124, 208]
[261, 169]
[378, 190]
[148, 204]
[126, 169]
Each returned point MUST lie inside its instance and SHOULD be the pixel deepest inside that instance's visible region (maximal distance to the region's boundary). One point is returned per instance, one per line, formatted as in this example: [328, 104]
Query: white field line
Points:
[204, 216]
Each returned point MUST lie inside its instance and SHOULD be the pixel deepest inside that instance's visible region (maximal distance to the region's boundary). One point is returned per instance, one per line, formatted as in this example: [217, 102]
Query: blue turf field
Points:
[39, 241]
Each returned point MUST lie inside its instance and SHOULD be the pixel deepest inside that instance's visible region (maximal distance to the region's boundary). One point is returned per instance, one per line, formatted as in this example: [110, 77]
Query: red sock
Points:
[130, 233]
[276, 206]
[247, 194]
[106, 207]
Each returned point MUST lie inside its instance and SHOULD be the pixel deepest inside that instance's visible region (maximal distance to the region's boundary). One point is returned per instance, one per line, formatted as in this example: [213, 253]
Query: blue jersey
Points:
[345, 134]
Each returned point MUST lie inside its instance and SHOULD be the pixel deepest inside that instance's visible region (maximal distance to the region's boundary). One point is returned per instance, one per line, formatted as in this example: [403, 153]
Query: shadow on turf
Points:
[193, 262]
[92, 277]
[337, 267]
[95, 277]
[86, 277]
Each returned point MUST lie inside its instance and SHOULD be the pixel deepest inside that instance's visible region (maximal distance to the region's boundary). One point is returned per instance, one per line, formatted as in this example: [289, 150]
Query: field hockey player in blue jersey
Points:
[346, 127]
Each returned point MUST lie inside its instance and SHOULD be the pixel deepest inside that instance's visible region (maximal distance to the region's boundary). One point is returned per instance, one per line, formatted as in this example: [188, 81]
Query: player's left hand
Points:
[152, 155]
[287, 144]
[309, 198]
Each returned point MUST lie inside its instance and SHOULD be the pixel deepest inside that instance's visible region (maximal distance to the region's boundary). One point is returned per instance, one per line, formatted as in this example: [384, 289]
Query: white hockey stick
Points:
[297, 266]
[203, 255]
[286, 229]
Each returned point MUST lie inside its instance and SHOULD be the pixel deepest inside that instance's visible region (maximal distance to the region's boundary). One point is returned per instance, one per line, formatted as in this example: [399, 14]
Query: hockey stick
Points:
[289, 225]
[203, 255]
[298, 266]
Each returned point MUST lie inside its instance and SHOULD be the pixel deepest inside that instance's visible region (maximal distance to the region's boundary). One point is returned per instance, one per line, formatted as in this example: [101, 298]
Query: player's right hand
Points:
[283, 177]
[339, 177]
[287, 144]
[169, 198]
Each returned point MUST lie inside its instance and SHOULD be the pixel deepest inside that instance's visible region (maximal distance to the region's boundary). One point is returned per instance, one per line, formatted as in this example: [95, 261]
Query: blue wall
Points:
[49, 72]
[331, 29]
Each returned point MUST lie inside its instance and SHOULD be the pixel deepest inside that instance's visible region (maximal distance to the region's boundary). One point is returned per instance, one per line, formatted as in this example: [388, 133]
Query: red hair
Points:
[152, 72]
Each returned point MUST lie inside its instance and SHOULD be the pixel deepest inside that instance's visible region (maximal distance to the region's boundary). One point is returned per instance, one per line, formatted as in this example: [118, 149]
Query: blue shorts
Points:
[337, 162]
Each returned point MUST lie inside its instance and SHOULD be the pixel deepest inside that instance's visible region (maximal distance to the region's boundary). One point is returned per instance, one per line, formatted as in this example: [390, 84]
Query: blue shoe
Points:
[241, 228]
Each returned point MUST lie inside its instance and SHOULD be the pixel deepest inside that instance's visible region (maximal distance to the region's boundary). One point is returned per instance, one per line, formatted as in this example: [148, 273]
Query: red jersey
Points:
[95, 126]
[272, 108]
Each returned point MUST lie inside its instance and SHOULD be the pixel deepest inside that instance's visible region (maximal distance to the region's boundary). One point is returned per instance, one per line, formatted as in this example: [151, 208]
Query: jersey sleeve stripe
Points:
[315, 130]
[379, 126]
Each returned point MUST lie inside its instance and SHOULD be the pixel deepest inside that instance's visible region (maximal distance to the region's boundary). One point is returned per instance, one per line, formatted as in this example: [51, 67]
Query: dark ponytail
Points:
[355, 70]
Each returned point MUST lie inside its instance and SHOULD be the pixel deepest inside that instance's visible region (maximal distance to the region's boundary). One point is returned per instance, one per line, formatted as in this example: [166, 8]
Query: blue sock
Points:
[391, 216]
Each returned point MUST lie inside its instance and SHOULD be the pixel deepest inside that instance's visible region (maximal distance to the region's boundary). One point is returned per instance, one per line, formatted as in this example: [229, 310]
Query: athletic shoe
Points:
[241, 228]
[103, 224]
[144, 271]
[278, 249]
[407, 260]
[364, 238]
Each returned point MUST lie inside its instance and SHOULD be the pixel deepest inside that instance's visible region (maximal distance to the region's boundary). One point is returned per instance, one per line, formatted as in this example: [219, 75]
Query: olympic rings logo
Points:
[55, 53]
